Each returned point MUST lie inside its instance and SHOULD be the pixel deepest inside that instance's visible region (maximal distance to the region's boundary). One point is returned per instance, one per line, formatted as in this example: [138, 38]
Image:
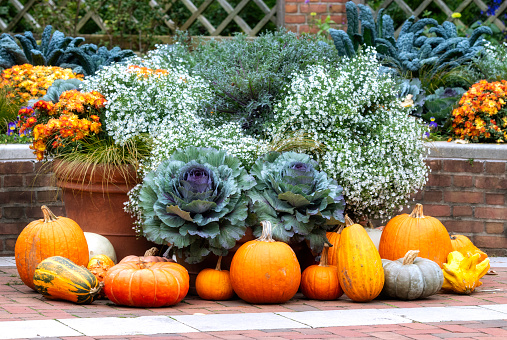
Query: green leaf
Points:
[174, 209]
[296, 200]
[228, 236]
[198, 207]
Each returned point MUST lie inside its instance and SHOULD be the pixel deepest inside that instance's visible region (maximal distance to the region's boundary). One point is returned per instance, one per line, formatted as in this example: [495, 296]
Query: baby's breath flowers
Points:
[28, 81]
[369, 143]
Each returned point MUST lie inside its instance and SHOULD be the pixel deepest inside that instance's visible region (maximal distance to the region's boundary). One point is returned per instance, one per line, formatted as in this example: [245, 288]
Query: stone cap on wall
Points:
[21, 152]
[467, 151]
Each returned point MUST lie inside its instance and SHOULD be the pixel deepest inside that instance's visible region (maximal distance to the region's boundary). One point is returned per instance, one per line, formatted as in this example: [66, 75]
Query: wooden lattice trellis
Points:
[443, 6]
[274, 15]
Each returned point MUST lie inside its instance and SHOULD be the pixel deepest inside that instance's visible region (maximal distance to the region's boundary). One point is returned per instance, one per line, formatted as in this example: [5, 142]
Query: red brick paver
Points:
[18, 302]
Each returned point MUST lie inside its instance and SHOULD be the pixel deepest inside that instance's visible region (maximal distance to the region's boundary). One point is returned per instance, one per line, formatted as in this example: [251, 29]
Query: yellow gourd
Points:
[462, 273]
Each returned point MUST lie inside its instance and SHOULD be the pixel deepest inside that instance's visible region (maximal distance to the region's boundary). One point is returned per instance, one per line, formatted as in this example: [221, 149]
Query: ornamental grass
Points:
[482, 114]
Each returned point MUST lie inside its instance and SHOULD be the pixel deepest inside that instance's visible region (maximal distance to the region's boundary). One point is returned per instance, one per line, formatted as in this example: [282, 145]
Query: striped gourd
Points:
[59, 278]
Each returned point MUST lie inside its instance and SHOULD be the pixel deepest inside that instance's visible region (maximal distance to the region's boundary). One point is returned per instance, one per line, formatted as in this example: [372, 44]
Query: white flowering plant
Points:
[368, 141]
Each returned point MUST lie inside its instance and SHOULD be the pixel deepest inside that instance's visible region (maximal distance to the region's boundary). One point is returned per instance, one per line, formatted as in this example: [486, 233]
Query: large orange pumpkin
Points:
[146, 284]
[149, 256]
[264, 270]
[320, 282]
[214, 284]
[50, 236]
[465, 246]
[360, 268]
[415, 231]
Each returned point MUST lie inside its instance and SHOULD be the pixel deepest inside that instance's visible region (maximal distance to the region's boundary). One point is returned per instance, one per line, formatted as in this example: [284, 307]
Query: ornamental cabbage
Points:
[195, 202]
[299, 200]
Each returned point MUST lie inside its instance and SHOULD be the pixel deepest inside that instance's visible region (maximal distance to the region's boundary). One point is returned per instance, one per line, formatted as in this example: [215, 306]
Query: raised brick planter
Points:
[467, 191]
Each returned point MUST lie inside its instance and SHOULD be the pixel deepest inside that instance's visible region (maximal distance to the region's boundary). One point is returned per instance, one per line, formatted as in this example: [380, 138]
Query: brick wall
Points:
[23, 190]
[299, 18]
[468, 197]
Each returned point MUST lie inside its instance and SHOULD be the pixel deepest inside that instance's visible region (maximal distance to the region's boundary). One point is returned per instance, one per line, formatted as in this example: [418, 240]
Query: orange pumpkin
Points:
[146, 284]
[99, 265]
[214, 284]
[360, 270]
[149, 256]
[264, 270]
[50, 236]
[415, 231]
[334, 238]
[320, 282]
[464, 245]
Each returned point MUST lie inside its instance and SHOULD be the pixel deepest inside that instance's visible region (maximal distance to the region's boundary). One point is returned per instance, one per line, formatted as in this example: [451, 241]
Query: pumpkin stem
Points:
[417, 212]
[153, 251]
[48, 214]
[267, 234]
[410, 257]
[219, 263]
[95, 290]
[348, 221]
[323, 256]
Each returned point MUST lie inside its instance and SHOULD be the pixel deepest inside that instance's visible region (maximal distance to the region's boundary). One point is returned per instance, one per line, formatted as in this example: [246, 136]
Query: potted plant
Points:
[94, 173]
[195, 203]
[300, 201]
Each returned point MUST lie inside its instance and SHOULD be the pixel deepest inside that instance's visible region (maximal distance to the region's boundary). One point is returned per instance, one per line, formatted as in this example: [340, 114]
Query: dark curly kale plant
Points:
[300, 201]
[413, 50]
[89, 58]
[51, 48]
[195, 202]
[56, 49]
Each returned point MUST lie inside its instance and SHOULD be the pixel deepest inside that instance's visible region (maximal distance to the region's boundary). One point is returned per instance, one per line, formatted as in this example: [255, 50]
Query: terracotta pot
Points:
[303, 253]
[94, 198]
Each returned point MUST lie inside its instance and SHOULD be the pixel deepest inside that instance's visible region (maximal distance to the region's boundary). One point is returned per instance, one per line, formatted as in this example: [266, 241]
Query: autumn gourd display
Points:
[465, 246]
[214, 284]
[415, 231]
[98, 266]
[50, 236]
[59, 278]
[462, 273]
[149, 256]
[334, 239]
[360, 269]
[100, 245]
[146, 284]
[264, 270]
[411, 277]
[320, 282]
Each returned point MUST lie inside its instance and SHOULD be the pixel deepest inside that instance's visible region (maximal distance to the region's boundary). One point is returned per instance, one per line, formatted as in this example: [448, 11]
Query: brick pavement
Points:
[19, 303]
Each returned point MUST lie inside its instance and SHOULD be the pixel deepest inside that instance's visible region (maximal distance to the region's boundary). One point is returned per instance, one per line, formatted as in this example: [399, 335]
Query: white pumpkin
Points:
[99, 245]
[375, 234]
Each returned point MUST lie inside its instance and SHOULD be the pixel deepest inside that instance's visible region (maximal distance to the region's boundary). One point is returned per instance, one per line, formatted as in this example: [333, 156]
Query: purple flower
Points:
[11, 127]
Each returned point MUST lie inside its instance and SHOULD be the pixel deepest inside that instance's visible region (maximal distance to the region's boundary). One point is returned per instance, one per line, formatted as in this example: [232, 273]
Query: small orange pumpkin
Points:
[464, 245]
[47, 237]
[99, 265]
[360, 268]
[264, 270]
[320, 282]
[214, 284]
[146, 284]
[415, 231]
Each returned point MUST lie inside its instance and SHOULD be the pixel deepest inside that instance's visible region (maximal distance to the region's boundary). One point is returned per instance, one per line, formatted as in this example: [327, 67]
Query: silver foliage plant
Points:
[195, 202]
[299, 200]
